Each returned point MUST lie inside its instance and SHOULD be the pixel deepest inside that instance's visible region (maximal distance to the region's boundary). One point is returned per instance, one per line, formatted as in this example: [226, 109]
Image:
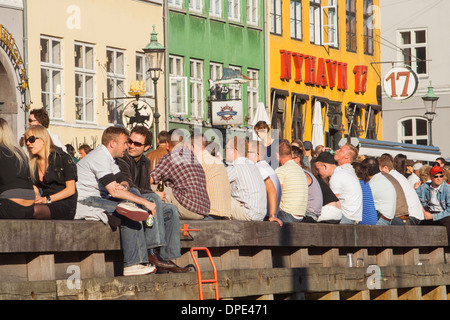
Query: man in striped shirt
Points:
[248, 191]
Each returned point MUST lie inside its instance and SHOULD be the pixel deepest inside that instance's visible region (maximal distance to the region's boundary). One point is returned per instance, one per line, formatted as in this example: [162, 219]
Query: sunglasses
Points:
[136, 144]
[438, 176]
[31, 139]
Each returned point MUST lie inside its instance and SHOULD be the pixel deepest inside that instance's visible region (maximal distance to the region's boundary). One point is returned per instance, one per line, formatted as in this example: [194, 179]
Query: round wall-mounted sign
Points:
[137, 112]
[400, 83]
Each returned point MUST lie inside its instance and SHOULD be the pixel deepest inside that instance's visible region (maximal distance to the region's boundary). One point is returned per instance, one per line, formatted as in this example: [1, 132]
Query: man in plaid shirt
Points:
[184, 178]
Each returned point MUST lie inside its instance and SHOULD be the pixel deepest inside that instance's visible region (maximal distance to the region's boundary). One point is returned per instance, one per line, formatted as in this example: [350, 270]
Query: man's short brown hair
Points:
[113, 133]
[41, 116]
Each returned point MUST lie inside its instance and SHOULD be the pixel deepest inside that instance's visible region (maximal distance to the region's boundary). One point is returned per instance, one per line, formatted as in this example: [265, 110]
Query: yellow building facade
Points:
[84, 54]
[324, 74]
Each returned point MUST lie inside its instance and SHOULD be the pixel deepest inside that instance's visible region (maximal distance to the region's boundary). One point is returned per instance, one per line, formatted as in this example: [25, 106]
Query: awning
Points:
[376, 148]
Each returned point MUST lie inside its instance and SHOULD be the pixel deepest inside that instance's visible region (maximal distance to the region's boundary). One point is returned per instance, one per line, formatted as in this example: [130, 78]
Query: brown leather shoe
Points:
[157, 261]
[174, 268]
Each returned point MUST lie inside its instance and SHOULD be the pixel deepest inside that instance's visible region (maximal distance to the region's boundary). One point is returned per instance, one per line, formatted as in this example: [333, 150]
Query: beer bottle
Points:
[160, 186]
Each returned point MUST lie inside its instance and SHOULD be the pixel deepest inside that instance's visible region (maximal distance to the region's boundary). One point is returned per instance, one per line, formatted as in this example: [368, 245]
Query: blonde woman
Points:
[54, 174]
[16, 188]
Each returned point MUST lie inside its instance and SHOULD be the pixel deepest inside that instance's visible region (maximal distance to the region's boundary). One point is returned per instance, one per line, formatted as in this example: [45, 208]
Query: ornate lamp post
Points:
[154, 52]
[430, 103]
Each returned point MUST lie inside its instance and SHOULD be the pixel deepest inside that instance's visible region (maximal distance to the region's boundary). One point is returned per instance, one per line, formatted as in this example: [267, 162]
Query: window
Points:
[296, 19]
[371, 123]
[413, 130]
[368, 26]
[252, 12]
[142, 74]
[314, 22]
[196, 84]
[235, 88]
[413, 44]
[252, 92]
[215, 71]
[196, 5]
[275, 17]
[330, 27]
[115, 81]
[51, 76]
[351, 24]
[178, 84]
[175, 3]
[84, 82]
[215, 8]
[234, 7]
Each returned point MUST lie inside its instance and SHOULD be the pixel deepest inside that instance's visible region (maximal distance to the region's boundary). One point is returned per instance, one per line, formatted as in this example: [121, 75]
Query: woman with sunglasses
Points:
[16, 188]
[54, 174]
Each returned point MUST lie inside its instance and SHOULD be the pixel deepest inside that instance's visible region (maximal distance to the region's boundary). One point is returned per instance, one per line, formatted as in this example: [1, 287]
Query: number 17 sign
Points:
[400, 83]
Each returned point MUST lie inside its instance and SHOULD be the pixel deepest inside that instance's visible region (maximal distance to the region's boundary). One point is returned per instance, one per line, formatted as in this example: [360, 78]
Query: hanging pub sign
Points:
[400, 83]
[227, 112]
[137, 112]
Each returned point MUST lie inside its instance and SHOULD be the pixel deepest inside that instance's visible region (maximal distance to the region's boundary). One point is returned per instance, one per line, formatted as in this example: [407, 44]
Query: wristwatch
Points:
[49, 200]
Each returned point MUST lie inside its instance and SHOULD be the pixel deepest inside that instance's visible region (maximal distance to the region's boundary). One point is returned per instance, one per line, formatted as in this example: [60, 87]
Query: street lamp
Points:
[154, 52]
[430, 103]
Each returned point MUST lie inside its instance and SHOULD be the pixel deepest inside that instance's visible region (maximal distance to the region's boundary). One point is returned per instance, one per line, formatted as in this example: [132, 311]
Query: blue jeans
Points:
[165, 232]
[289, 218]
[132, 234]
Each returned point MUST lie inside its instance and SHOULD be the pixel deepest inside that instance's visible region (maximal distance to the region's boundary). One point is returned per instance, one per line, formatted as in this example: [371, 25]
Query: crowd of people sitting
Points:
[266, 179]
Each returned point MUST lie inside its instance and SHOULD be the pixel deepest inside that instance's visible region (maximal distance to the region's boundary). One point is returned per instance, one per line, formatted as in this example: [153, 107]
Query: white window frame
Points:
[179, 81]
[235, 88]
[276, 17]
[296, 30]
[234, 10]
[315, 22]
[215, 71]
[252, 12]
[413, 46]
[175, 4]
[117, 78]
[414, 137]
[196, 88]
[196, 6]
[85, 71]
[56, 90]
[143, 75]
[252, 93]
[330, 12]
[215, 8]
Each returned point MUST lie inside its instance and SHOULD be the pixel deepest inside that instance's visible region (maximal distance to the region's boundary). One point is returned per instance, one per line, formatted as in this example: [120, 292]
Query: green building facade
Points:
[205, 39]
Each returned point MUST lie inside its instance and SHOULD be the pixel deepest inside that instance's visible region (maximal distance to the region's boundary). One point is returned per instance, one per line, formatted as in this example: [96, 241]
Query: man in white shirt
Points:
[345, 186]
[412, 199]
[414, 178]
[248, 191]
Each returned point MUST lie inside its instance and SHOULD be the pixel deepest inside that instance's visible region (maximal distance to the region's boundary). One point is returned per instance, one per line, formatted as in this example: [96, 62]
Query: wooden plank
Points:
[41, 267]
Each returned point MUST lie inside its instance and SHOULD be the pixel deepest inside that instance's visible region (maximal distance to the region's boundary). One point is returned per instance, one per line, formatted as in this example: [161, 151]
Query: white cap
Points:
[417, 166]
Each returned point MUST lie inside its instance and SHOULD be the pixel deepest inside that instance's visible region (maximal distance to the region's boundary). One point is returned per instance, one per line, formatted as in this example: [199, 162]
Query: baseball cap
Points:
[307, 145]
[417, 166]
[325, 157]
[435, 170]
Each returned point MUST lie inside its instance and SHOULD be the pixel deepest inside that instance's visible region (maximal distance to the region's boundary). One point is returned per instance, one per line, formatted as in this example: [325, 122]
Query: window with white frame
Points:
[215, 71]
[414, 52]
[235, 88]
[196, 85]
[296, 19]
[142, 74]
[314, 22]
[175, 4]
[368, 14]
[252, 92]
[196, 5]
[51, 76]
[413, 130]
[275, 17]
[329, 21]
[178, 85]
[234, 10]
[252, 12]
[84, 82]
[115, 81]
[215, 8]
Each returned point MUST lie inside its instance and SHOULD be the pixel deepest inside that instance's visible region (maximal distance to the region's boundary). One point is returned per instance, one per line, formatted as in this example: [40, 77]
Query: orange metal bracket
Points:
[215, 284]
[186, 230]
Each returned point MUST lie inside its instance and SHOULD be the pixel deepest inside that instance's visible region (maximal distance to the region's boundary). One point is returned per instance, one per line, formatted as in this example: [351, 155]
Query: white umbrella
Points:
[317, 126]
